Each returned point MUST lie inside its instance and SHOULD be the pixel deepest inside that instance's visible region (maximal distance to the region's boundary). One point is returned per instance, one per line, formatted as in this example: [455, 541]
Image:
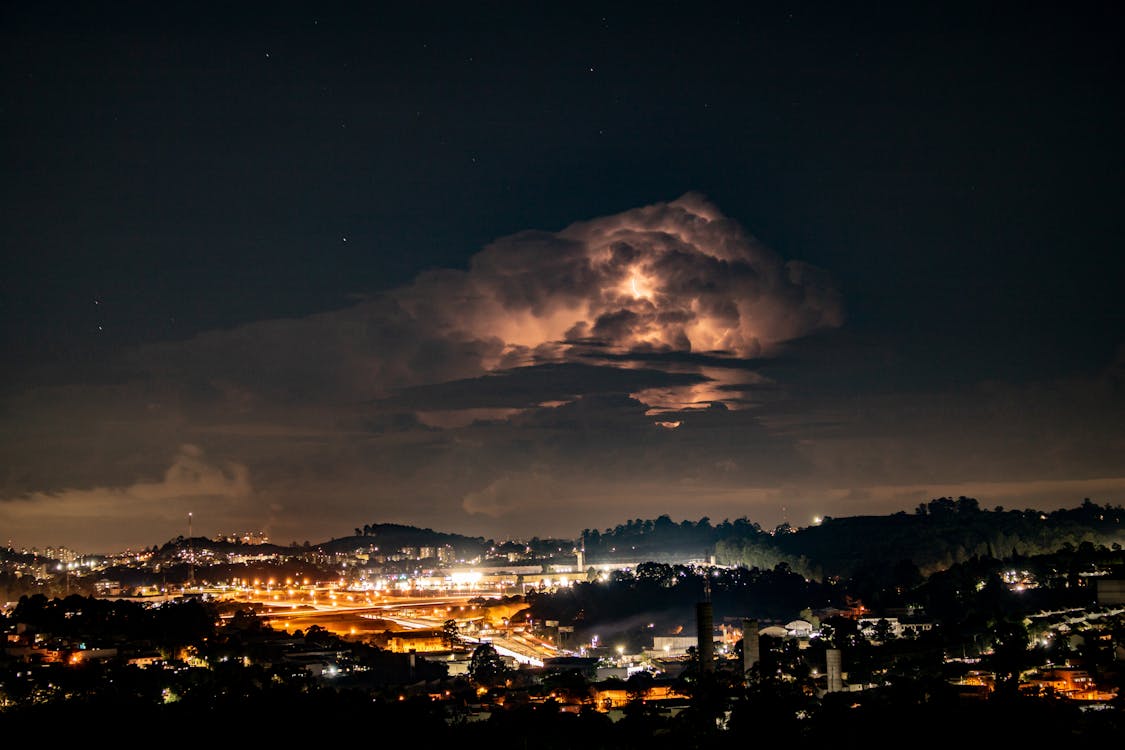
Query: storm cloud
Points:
[671, 277]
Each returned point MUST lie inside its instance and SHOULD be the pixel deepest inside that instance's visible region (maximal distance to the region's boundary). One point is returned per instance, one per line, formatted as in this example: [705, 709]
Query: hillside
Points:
[391, 537]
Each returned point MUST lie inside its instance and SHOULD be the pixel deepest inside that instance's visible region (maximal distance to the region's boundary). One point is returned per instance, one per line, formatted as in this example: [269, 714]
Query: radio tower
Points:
[191, 553]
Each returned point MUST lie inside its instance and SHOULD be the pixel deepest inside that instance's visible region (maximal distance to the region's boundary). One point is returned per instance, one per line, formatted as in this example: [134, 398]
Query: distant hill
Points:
[387, 537]
[170, 550]
[8, 555]
[392, 537]
[937, 535]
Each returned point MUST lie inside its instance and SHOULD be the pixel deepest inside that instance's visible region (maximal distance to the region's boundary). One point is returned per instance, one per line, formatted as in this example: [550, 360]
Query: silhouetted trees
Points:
[486, 667]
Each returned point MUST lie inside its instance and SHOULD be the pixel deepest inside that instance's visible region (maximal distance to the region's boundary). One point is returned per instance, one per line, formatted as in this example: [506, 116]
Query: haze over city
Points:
[531, 270]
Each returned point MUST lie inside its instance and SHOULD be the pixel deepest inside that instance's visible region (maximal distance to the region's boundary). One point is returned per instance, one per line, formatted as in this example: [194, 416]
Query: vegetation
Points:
[937, 535]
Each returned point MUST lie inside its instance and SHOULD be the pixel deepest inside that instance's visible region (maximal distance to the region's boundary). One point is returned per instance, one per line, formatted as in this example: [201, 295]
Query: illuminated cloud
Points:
[675, 276]
[674, 289]
[671, 278]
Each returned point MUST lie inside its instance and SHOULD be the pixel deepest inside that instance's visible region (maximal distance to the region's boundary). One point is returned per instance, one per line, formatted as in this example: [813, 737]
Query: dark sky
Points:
[529, 268]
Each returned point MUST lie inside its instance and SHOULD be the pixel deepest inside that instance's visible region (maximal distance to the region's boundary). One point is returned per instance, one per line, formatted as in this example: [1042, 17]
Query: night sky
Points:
[515, 270]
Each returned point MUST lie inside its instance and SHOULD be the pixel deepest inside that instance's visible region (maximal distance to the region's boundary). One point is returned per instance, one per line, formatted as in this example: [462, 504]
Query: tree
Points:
[967, 505]
[638, 685]
[1009, 654]
[450, 634]
[570, 684]
[807, 615]
[486, 668]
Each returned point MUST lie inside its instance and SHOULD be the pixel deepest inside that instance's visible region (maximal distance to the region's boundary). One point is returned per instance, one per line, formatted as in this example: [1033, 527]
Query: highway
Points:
[404, 612]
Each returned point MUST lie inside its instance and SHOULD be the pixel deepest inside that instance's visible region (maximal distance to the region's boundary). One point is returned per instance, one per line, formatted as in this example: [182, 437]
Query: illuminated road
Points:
[408, 613]
[278, 606]
[523, 650]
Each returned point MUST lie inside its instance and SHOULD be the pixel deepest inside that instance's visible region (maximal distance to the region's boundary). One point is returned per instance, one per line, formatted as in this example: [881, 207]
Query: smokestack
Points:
[705, 636]
[835, 678]
[751, 646]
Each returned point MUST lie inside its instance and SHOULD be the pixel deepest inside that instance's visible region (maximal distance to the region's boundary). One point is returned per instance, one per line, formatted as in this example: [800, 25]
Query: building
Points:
[1069, 682]
[799, 629]
[896, 628]
[670, 646]
[421, 641]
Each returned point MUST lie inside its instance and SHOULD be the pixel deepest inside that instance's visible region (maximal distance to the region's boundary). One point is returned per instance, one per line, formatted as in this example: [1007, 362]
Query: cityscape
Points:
[656, 626]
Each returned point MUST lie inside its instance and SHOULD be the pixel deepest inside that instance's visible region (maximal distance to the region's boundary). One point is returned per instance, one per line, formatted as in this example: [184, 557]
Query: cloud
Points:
[525, 387]
[675, 276]
[675, 280]
[190, 476]
[511, 493]
[191, 483]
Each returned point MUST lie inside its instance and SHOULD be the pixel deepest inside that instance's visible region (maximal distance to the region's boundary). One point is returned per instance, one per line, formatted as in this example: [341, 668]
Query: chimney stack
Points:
[751, 645]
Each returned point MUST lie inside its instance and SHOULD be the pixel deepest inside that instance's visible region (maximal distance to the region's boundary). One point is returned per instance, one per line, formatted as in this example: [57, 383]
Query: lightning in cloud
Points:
[671, 278]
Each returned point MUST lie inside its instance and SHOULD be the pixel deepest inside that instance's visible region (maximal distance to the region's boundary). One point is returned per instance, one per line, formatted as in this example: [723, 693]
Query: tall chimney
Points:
[835, 677]
[751, 646]
[705, 636]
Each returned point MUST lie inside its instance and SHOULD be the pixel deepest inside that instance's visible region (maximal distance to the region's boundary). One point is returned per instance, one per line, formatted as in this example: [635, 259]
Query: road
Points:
[405, 612]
